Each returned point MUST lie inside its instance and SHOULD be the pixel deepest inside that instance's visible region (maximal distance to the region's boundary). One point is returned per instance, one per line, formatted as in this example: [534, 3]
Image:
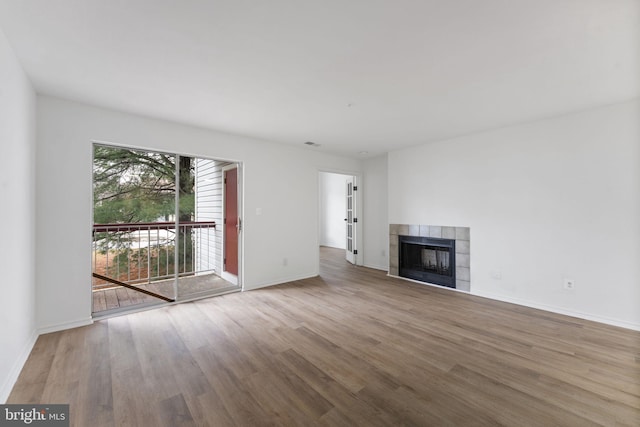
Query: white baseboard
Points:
[65, 325]
[377, 267]
[545, 307]
[11, 379]
[279, 281]
[560, 310]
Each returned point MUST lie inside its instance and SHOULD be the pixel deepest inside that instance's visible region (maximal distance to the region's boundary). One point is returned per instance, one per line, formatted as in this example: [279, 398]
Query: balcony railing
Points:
[141, 253]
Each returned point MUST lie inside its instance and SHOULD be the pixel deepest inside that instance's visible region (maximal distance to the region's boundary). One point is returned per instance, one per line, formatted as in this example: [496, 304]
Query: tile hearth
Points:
[461, 235]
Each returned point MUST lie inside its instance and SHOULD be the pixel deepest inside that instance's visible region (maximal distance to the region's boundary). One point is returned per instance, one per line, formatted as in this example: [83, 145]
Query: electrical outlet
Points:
[497, 275]
[569, 284]
[285, 262]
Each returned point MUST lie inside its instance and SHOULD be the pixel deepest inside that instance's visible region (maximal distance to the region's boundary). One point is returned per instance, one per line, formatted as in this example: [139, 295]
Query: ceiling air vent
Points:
[312, 144]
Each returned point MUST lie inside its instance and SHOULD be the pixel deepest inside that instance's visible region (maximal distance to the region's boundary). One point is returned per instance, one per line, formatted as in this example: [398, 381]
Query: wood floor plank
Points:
[234, 395]
[31, 382]
[208, 409]
[111, 300]
[94, 383]
[174, 412]
[351, 408]
[351, 347]
[99, 301]
[518, 404]
[133, 399]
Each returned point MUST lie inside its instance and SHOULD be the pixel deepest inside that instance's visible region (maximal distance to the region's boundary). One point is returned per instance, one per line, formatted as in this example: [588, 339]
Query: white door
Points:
[351, 219]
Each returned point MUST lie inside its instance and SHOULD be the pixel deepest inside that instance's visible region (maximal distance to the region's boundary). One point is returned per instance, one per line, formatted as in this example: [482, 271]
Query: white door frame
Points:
[351, 218]
[359, 257]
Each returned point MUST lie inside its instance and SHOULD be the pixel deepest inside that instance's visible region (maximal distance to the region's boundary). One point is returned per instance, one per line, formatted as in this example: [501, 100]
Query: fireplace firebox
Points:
[428, 259]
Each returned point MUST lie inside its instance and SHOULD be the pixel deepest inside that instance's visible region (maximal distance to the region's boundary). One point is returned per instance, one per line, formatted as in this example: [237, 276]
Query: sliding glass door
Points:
[156, 233]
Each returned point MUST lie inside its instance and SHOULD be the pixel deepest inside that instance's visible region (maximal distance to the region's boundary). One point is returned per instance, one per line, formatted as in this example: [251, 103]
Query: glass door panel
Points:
[134, 228]
[200, 227]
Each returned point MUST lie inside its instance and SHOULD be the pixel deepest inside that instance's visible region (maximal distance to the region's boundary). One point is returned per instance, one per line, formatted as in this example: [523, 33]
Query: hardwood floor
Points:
[351, 347]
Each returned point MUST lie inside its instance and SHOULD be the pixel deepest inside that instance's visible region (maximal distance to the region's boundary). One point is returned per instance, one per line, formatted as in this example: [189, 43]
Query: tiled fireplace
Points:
[434, 235]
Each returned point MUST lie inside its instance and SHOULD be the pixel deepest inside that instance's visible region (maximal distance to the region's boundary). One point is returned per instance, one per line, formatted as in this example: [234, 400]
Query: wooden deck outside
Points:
[118, 297]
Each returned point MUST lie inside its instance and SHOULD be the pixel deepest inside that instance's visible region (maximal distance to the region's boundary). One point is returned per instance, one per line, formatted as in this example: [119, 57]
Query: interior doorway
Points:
[339, 221]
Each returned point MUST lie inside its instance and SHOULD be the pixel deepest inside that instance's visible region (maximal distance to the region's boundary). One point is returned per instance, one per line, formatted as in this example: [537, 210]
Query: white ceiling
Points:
[351, 75]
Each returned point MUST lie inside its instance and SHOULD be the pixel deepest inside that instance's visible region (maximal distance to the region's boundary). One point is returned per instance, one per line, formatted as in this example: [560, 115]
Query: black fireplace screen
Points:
[435, 259]
[428, 259]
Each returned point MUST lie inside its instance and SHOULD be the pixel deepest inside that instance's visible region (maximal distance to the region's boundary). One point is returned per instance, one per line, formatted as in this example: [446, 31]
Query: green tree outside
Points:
[133, 186]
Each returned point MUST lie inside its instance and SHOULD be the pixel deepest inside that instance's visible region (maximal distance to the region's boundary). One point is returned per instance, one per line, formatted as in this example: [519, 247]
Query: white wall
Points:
[376, 225]
[17, 193]
[545, 201]
[280, 180]
[333, 207]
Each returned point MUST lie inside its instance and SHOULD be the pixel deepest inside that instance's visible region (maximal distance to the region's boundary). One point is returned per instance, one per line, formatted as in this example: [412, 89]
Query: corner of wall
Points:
[15, 370]
[17, 248]
[375, 213]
